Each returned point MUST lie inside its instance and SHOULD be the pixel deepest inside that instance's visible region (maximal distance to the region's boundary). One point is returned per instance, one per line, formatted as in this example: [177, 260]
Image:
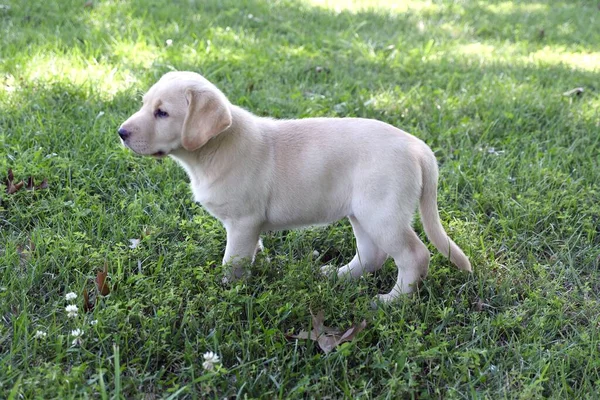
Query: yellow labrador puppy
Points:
[258, 174]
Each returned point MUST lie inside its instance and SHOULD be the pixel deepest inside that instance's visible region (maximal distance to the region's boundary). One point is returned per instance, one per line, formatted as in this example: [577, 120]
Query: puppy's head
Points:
[181, 111]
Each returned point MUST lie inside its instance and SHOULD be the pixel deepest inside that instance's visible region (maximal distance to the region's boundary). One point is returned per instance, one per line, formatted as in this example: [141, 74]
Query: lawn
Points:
[485, 83]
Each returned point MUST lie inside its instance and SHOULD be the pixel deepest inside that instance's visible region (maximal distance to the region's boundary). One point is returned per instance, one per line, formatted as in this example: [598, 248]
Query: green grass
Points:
[481, 82]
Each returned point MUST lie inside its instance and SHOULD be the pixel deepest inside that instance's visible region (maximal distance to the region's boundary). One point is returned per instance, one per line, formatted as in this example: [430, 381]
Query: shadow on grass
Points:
[266, 55]
[563, 22]
[276, 34]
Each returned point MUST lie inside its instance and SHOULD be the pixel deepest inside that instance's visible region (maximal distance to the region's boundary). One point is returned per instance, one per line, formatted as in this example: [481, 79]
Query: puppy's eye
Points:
[160, 113]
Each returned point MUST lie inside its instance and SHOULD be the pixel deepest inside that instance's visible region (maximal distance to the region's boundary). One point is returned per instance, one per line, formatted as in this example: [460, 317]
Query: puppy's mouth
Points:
[142, 152]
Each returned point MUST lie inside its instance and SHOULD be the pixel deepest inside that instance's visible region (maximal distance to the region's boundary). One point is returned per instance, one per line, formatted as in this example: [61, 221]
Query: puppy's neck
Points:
[240, 141]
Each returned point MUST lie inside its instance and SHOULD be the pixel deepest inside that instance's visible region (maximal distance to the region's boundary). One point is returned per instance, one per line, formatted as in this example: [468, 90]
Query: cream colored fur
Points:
[258, 174]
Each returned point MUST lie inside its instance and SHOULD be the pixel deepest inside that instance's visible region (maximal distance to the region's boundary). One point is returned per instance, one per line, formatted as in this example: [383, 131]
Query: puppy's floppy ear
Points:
[208, 115]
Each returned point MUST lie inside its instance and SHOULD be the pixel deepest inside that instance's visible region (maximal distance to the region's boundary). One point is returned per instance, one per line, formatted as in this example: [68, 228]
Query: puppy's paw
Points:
[387, 298]
[382, 300]
[233, 275]
[394, 295]
[329, 270]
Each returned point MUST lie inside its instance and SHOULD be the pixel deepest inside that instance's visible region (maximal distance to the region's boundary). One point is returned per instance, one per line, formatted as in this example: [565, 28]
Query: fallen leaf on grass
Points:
[101, 283]
[43, 185]
[12, 187]
[328, 338]
[88, 306]
[102, 287]
[30, 185]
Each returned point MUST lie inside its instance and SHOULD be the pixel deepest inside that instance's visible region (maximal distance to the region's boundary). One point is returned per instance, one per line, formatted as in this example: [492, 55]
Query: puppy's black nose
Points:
[124, 133]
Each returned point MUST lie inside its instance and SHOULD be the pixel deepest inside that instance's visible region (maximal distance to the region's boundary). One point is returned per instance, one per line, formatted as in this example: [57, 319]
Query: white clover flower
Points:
[210, 359]
[94, 322]
[71, 310]
[77, 333]
[316, 253]
[70, 296]
[40, 335]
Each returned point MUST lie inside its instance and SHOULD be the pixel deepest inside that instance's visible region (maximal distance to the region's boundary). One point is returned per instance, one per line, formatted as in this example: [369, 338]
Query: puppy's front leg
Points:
[241, 246]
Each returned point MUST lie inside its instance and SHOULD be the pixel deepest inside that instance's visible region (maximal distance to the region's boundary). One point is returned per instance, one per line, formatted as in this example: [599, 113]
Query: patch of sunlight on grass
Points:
[453, 30]
[509, 7]
[389, 101]
[299, 52]
[223, 44]
[139, 54]
[477, 49]
[390, 5]
[105, 79]
[548, 55]
[553, 56]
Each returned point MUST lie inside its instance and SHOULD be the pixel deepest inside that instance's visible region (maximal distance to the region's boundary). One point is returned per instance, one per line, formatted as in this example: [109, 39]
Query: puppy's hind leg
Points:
[412, 259]
[368, 258]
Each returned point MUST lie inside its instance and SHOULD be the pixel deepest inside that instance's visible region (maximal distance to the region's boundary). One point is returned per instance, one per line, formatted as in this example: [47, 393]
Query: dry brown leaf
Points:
[304, 335]
[12, 187]
[30, 184]
[328, 342]
[326, 337]
[318, 324]
[88, 306]
[101, 283]
[43, 185]
[18, 186]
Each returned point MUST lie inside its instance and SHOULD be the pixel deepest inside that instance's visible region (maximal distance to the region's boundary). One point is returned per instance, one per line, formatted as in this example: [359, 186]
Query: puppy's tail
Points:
[431, 218]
